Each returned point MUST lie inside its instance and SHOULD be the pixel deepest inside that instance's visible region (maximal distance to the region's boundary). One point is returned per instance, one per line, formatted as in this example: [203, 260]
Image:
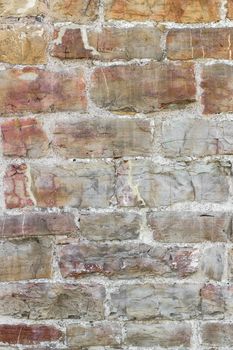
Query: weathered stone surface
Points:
[80, 11]
[144, 183]
[230, 9]
[78, 185]
[110, 226]
[77, 259]
[217, 301]
[22, 8]
[189, 11]
[103, 137]
[160, 301]
[16, 187]
[197, 137]
[114, 87]
[35, 90]
[29, 334]
[166, 334]
[36, 224]
[23, 44]
[52, 301]
[186, 44]
[98, 334]
[109, 43]
[217, 88]
[230, 262]
[24, 138]
[190, 227]
[25, 259]
[217, 334]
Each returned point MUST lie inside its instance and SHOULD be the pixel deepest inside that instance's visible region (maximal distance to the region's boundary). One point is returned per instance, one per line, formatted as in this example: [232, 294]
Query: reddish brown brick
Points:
[35, 90]
[114, 87]
[29, 334]
[24, 138]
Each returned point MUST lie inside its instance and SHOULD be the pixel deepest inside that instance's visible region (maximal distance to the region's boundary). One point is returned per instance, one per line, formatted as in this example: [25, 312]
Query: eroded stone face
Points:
[22, 8]
[53, 301]
[80, 11]
[116, 89]
[189, 11]
[217, 334]
[103, 137]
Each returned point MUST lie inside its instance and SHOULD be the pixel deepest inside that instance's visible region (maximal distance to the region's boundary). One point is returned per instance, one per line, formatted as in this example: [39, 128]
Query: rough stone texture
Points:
[99, 138]
[164, 334]
[144, 183]
[217, 334]
[29, 334]
[100, 334]
[109, 43]
[22, 8]
[114, 88]
[190, 11]
[80, 11]
[53, 301]
[23, 44]
[110, 226]
[197, 137]
[25, 259]
[35, 90]
[24, 137]
[217, 88]
[190, 227]
[187, 44]
[230, 9]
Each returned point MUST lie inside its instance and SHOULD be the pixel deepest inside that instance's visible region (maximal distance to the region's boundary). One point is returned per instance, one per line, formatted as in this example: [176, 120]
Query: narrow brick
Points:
[110, 226]
[21, 8]
[22, 259]
[29, 334]
[23, 44]
[164, 334]
[103, 137]
[145, 183]
[217, 334]
[40, 301]
[80, 11]
[36, 224]
[187, 44]
[189, 11]
[114, 88]
[190, 227]
[109, 43]
[24, 138]
[217, 88]
[98, 334]
[35, 90]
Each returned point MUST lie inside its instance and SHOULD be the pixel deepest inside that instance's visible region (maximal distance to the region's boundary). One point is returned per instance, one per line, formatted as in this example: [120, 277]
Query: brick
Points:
[35, 90]
[230, 264]
[217, 334]
[17, 187]
[23, 44]
[190, 227]
[215, 301]
[101, 137]
[98, 334]
[187, 44]
[24, 138]
[160, 301]
[190, 11]
[22, 8]
[29, 334]
[36, 224]
[114, 88]
[109, 43]
[133, 260]
[166, 334]
[196, 138]
[22, 259]
[217, 88]
[145, 183]
[40, 301]
[230, 9]
[79, 11]
[110, 226]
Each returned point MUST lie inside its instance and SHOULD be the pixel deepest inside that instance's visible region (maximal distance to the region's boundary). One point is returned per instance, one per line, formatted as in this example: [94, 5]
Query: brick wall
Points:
[116, 189]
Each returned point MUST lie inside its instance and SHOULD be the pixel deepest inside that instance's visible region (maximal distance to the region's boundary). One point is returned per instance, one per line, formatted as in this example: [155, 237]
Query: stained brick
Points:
[217, 334]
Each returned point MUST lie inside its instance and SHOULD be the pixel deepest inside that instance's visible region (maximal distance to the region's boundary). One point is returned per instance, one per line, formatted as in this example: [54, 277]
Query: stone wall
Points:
[116, 190]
